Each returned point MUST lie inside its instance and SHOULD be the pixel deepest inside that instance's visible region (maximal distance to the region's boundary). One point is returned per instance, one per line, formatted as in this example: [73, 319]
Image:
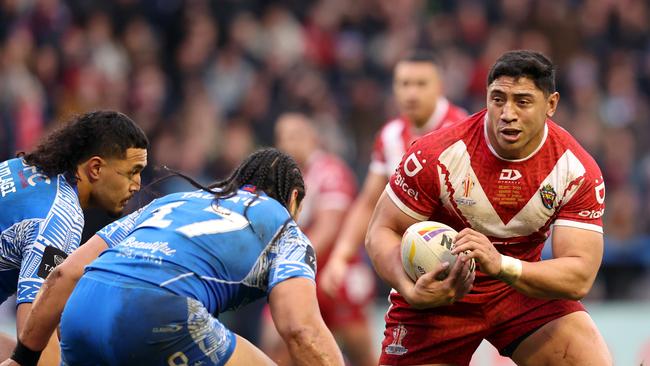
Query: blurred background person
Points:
[330, 189]
[418, 89]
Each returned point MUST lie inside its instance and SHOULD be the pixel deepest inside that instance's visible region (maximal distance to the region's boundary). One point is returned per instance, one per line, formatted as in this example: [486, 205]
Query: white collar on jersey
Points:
[494, 152]
[442, 107]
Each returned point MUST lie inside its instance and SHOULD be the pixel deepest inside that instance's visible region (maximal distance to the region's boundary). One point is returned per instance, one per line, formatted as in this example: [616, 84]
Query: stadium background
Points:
[206, 80]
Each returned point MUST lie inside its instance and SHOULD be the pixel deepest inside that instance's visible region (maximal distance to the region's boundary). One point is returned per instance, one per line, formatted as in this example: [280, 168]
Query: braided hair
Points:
[267, 170]
[101, 133]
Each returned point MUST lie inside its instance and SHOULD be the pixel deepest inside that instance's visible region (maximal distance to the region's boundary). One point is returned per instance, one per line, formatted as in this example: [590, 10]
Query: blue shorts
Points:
[109, 323]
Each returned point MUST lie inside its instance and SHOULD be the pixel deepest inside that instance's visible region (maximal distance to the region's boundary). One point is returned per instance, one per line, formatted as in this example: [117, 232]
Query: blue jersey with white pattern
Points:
[197, 247]
[36, 211]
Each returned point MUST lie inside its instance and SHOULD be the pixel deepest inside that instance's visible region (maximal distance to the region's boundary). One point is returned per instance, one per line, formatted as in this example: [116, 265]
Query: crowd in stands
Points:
[207, 79]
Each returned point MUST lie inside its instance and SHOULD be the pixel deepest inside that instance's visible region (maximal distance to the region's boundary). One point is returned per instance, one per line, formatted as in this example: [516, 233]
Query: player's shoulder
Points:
[455, 114]
[327, 163]
[465, 132]
[562, 141]
[393, 128]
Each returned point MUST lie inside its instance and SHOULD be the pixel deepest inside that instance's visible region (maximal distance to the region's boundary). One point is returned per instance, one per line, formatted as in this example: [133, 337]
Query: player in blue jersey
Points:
[152, 297]
[93, 161]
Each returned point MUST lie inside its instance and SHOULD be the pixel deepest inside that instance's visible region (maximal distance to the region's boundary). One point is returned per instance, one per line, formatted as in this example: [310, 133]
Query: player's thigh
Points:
[246, 353]
[569, 340]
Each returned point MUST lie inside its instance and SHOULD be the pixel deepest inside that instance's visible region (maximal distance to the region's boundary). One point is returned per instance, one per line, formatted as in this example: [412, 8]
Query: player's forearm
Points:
[563, 278]
[46, 310]
[313, 346]
[354, 228]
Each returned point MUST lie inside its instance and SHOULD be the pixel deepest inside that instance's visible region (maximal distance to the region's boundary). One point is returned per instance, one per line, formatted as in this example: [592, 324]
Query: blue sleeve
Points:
[294, 257]
[58, 234]
[118, 230]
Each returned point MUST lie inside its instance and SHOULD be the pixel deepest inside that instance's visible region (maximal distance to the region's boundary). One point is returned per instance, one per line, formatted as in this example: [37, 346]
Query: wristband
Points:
[24, 355]
[510, 269]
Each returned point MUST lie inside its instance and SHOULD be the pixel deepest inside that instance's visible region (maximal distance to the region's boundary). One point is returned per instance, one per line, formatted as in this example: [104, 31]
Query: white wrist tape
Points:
[510, 269]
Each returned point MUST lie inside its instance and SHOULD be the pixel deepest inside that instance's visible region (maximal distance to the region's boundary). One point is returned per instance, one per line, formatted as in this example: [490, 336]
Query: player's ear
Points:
[294, 205]
[551, 104]
[93, 167]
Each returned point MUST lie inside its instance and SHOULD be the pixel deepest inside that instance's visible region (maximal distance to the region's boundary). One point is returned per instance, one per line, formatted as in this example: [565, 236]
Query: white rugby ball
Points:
[425, 245]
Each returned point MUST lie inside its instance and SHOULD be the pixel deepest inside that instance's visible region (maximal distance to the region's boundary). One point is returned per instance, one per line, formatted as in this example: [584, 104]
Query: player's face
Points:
[517, 112]
[293, 135]
[119, 180]
[417, 87]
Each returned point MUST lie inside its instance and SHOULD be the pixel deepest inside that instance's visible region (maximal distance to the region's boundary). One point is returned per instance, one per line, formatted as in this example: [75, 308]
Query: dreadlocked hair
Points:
[107, 134]
[268, 170]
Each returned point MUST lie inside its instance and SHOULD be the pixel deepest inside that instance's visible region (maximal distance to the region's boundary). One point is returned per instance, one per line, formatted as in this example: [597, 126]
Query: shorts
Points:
[451, 334]
[351, 303]
[109, 323]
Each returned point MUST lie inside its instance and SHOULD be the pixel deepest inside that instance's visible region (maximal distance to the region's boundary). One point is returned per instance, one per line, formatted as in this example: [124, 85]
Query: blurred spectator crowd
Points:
[206, 80]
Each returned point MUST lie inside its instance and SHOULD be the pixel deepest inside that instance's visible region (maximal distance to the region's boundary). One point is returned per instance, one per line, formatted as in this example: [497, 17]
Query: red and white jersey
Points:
[329, 184]
[397, 135]
[455, 176]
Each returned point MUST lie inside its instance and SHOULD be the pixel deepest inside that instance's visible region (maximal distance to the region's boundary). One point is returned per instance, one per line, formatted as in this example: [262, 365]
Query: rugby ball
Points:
[425, 245]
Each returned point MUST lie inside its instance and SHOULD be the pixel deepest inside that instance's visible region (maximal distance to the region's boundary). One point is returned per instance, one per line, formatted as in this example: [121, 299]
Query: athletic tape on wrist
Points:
[510, 269]
[25, 356]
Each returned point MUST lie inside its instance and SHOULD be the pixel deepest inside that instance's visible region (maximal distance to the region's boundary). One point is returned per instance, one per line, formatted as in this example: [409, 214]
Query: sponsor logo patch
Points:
[52, 257]
[510, 174]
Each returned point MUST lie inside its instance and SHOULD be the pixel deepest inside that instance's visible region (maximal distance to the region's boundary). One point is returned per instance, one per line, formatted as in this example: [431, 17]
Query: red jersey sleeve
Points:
[586, 207]
[414, 186]
[337, 189]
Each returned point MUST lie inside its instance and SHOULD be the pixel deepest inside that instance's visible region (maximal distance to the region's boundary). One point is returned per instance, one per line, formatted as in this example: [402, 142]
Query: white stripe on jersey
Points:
[482, 215]
[402, 206]
[579, 225]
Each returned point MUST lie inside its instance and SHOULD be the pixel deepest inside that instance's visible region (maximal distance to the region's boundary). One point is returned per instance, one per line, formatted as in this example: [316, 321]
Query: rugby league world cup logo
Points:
[396, 348]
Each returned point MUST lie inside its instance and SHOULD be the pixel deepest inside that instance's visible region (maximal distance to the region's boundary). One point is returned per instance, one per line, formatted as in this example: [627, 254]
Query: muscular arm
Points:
[45, 312]
[568, 275]
[383, 242]
[571, 273]
[297, 318]
[356, 221]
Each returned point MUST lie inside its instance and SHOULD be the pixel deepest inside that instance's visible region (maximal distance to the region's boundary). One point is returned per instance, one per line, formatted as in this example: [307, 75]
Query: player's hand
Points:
[333, 275]
[9, 362]
[429, 291]
[480, 248]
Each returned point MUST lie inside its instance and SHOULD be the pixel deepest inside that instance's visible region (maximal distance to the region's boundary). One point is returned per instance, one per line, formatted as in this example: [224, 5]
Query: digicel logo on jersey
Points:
[399, 181]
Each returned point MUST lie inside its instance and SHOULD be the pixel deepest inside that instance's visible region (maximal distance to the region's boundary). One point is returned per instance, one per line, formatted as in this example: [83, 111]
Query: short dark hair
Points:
[420, 55]
[107, 134]
[525, 63]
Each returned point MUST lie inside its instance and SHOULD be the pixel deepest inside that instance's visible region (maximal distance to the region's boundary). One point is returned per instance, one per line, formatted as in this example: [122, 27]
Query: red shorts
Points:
[350, 304]
[451, 334]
